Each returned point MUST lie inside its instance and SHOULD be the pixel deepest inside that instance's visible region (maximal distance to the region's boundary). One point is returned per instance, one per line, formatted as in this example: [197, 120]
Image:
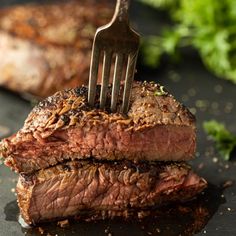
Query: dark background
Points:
[208, 97]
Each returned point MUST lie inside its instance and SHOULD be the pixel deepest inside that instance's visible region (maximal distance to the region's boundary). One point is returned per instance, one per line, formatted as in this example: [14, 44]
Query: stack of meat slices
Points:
[75, 160]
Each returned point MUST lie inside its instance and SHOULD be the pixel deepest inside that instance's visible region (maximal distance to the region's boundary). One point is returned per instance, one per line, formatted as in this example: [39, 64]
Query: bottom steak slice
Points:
[108, 189]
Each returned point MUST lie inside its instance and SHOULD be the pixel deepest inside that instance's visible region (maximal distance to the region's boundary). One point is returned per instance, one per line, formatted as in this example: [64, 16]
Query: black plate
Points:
[213, 213]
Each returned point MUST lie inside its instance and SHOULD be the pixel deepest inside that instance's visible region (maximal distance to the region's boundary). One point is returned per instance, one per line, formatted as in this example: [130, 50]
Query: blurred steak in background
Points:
[45, 48]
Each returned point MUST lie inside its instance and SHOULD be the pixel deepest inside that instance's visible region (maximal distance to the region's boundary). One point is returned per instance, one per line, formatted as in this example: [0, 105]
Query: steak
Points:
[64, 127]
[45, 48]
[103, 189]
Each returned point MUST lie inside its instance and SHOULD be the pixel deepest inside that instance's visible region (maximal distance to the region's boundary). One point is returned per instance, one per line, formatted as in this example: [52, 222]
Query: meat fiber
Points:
[45, 48]
[63, 127]
[103, 189]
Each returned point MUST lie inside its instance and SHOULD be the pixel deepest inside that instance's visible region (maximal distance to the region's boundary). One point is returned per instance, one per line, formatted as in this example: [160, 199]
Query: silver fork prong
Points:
[118, 71]
[117, 37]
[105, 77]
[93, 75]
[131, 65]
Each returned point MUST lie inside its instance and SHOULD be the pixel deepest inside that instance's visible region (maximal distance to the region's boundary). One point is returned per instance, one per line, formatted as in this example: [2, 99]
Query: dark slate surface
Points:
[206, 95]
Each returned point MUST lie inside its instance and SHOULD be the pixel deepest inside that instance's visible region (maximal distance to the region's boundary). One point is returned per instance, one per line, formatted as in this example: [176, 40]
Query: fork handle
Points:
[121, 12]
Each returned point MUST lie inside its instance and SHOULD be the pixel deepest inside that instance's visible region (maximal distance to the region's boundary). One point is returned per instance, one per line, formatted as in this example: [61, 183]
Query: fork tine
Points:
[116, 37]
[131, 65]
[93, 75]
[116, 80]
[105, 77]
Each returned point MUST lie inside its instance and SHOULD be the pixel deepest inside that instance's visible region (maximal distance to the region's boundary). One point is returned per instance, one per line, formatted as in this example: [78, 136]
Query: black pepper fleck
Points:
[65, 119]
[81, 91]
[66, 168]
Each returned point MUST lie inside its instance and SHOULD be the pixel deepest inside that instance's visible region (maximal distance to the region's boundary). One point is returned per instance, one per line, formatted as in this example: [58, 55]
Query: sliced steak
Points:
[64, 127]
[46, 47]
[107, 189]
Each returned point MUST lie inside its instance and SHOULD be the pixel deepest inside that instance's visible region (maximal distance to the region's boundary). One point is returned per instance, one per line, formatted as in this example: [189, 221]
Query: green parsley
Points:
[160, 92]
[225, 141]
[206, 25]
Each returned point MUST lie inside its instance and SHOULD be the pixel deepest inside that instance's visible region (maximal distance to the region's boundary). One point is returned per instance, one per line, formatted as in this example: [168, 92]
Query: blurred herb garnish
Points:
[206, 25]
[225, 141]
[160, 91]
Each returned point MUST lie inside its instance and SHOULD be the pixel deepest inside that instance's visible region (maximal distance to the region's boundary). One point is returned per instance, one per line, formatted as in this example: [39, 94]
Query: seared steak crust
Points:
[64, 127]
[45, 48]
[107, 188]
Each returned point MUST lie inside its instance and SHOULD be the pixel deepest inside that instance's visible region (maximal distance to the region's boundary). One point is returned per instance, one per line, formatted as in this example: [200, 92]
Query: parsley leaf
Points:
[160, 92]
[208, 26]
[225, 141]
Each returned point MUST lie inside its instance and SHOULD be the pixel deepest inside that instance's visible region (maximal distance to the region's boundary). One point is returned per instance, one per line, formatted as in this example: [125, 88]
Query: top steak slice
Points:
[64, 127]
[46, 47]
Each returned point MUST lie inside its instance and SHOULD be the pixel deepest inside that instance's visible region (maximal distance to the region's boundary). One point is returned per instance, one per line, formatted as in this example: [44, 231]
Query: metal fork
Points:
[118, 40]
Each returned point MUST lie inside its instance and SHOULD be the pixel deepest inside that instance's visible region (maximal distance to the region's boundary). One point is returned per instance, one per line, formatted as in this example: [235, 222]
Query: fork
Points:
[118, 40]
